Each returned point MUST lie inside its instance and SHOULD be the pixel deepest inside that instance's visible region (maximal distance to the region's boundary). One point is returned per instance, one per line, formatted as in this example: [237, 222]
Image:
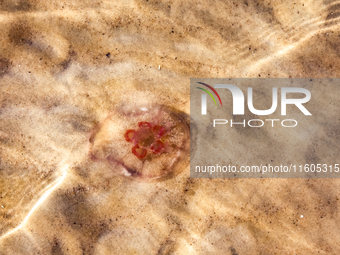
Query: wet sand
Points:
[66, 66]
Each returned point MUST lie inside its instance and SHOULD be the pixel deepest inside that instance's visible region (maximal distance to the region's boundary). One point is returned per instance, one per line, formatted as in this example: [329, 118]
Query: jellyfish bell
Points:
[143, 142]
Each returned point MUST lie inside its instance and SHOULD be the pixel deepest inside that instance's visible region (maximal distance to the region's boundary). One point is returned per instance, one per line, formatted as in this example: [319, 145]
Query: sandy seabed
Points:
[66, 66]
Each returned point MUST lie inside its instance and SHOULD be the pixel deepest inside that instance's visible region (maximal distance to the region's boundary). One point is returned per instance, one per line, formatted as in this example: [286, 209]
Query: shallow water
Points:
[66, 66]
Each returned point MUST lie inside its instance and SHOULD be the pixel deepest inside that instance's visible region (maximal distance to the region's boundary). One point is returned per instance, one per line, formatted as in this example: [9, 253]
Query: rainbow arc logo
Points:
[209, 93]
